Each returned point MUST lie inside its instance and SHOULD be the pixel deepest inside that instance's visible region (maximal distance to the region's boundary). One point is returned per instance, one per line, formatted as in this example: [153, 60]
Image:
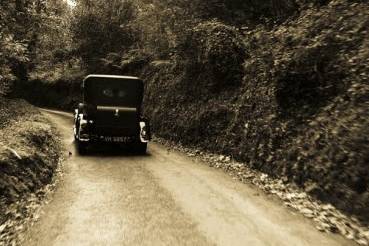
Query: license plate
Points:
[117, 139]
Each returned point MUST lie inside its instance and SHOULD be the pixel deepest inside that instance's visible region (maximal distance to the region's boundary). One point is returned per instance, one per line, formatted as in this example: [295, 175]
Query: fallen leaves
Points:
[326, 217]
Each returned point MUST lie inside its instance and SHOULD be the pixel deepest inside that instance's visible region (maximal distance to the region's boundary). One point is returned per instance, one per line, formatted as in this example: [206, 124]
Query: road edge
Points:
[325, 217]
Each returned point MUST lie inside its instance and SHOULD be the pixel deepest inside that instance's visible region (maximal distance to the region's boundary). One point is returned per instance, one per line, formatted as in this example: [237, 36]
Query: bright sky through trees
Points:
[71, 3]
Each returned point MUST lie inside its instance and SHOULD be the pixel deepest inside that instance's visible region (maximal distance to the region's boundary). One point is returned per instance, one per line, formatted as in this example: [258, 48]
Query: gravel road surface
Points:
[162, 198]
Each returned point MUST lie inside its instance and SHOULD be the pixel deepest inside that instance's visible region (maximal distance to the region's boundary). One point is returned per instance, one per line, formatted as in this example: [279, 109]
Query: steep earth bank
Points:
[29, 155]
[295, 107]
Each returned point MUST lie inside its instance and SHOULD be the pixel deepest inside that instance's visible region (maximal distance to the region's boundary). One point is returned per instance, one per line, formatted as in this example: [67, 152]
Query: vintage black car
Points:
[111, 112]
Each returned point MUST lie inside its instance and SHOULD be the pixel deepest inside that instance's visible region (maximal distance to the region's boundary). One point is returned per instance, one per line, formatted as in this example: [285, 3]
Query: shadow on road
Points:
[108, 150]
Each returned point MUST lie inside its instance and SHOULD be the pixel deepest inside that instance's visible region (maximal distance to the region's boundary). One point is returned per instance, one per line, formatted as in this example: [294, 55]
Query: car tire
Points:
[140, 148]
[82, 147]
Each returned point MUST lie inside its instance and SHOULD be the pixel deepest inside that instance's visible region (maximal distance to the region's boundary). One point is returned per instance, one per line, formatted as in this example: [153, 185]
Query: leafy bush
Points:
[99, 28]
[215, 49]
[128, 63]
[14, 55]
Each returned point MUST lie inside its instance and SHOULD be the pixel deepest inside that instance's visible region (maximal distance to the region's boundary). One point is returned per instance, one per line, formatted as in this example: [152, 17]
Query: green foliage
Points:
[24, 30]
[301, 111]
[12, 53]
[241, 11]
[126, 63]
[304, 108]
[100, 28]
[215, 49]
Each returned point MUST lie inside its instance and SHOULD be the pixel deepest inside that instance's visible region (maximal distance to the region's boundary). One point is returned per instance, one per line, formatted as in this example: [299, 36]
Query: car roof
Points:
[110, 77]
[93, 78]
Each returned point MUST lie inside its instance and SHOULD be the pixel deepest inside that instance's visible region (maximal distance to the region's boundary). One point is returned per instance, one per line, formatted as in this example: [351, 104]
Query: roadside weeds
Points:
[26, 212]
[30, 157]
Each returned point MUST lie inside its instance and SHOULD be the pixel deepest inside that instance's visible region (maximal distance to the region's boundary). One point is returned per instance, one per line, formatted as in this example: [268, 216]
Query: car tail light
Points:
[144, 137]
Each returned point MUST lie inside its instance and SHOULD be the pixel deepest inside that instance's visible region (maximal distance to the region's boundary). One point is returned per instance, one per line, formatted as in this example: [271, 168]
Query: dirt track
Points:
[162, 198]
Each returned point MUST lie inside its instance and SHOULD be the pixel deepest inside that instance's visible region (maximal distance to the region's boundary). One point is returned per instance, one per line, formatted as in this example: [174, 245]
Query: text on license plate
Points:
[117, 139]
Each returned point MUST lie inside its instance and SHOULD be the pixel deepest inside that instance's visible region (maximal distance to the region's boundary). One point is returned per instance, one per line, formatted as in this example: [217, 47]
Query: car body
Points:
[111, 111]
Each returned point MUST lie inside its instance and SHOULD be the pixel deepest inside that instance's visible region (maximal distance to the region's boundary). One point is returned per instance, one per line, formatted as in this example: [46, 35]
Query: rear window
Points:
[113, 92]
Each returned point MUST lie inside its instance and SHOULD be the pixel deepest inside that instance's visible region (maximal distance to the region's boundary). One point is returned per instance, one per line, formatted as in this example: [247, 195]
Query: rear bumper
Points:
[90, 131]
[113, 139]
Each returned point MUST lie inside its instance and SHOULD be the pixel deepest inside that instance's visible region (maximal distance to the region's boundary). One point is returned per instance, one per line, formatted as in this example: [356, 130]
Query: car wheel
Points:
[82, 147]
[140, 148]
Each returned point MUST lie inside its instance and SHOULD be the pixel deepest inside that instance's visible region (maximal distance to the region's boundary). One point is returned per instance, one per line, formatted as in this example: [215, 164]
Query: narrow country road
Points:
[162, 198]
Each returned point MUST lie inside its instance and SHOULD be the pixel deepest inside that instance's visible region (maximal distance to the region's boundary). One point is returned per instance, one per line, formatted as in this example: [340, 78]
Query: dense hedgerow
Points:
[216, 50]
[300, 111]
[308, 82]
